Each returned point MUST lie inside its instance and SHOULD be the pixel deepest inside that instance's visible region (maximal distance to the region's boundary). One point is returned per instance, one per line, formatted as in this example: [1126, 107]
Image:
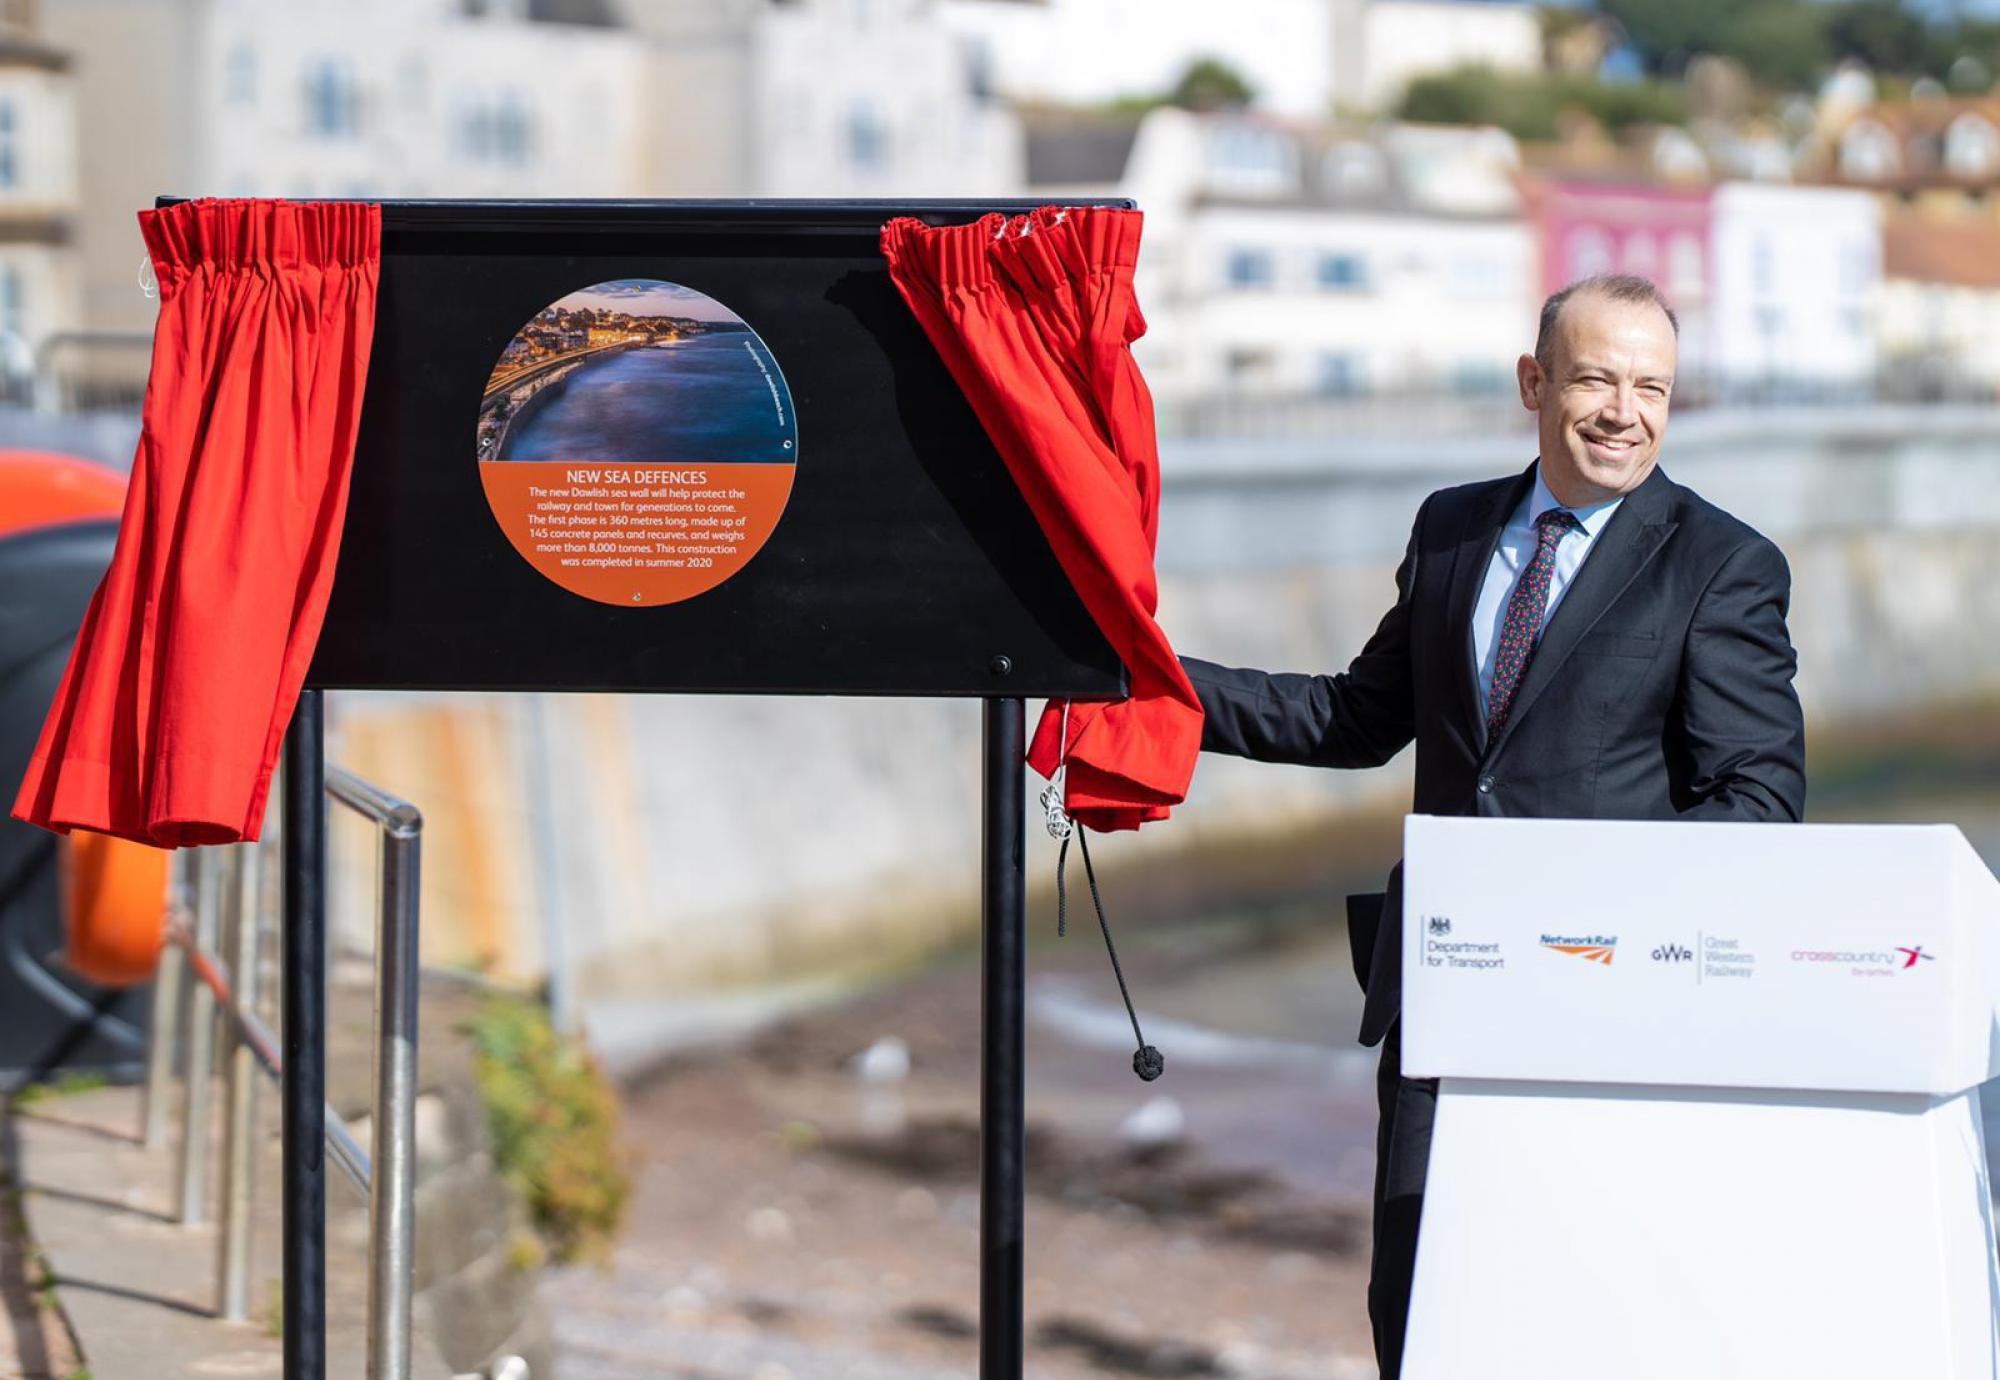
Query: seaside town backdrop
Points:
[759, 914]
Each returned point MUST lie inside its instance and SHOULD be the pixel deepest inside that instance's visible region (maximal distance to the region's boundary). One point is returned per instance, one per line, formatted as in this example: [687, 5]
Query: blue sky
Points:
[649, 297]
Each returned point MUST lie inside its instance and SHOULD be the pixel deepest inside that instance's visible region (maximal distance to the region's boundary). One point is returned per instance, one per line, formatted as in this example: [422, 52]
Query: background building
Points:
[1797, 275]
[384, 98]
[819, 98]
[1584, 227]
[38, 195]
[1938, 325]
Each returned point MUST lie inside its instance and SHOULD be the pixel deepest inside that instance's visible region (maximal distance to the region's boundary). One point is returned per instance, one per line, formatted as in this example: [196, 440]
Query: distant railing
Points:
[1442, 412]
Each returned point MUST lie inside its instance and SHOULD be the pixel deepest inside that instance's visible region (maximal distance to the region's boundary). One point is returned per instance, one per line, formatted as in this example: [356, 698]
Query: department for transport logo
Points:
[1592, 948]
[1440, 950]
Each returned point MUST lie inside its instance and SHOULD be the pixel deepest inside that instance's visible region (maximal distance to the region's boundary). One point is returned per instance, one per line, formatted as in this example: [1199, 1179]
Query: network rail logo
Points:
[1591, 948]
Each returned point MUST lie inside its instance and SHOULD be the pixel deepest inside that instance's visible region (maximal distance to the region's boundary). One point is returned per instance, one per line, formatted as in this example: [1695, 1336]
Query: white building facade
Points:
[1798, 273]
[821, 98]
[1278, 262]
[408, 98]
[39, 282]
[338, 98]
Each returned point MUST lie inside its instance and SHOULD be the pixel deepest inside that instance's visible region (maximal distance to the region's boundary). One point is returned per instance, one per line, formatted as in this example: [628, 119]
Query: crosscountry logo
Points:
[1913, 953]
[1592, 948]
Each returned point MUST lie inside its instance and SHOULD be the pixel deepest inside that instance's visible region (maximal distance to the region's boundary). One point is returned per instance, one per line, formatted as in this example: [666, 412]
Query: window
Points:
[1589, 252]
[1480, 377]
[1642, 254]
[1970, 147]
[13, 302]
[1354, 170]
[1857, 267]
[1340, 374]
[1343, 272]
[333, 100]
[413, 80]
[239, 75]
[1687, 275]
[867, 137]
[1868, 151]
[1248, 158]
[1250, 367]
[1251, 268]
[1476, 275]
[10, 147]
[513, 130]
[1763, 265]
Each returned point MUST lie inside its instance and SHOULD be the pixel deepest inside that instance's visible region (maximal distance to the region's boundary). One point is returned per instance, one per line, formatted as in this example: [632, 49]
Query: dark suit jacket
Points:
[1661, 689]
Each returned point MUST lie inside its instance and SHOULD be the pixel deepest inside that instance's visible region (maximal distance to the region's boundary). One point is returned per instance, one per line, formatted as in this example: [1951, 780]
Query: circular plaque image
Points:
[637, 442]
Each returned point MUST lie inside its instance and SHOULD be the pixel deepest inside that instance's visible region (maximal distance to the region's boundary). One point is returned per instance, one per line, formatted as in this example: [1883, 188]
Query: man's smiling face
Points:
[1601, 397]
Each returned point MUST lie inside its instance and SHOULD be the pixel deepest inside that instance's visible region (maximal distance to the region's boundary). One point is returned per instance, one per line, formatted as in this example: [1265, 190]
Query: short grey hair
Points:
[1618, 287]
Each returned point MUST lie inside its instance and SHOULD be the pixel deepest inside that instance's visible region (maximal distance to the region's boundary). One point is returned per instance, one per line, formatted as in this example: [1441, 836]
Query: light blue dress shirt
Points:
[1511, 557]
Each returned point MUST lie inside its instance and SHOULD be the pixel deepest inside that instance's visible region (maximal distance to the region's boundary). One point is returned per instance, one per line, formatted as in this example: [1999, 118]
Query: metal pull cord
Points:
[1147, 1061]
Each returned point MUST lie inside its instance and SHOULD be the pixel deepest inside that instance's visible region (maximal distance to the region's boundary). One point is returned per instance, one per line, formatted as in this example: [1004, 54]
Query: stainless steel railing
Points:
[216, 910]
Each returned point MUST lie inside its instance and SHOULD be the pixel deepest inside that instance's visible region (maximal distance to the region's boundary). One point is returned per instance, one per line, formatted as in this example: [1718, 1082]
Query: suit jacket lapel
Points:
[1633, 536]
[1474, 553]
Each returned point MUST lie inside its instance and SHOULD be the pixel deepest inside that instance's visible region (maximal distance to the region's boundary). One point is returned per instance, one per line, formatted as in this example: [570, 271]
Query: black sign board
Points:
[904, 562]
[861, 537]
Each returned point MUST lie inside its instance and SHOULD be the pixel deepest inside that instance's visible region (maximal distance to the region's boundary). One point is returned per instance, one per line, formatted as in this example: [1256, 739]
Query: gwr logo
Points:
[1672, 953]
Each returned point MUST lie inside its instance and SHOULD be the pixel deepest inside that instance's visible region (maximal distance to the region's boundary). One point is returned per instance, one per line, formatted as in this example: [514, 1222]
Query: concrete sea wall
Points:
[663, 852]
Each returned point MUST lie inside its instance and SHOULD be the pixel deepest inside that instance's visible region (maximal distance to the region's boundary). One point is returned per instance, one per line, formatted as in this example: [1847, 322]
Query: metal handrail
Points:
[188, 1008]
[262, 1045]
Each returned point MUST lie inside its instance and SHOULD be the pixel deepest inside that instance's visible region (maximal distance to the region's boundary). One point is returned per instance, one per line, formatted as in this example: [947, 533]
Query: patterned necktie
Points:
[1523, 628]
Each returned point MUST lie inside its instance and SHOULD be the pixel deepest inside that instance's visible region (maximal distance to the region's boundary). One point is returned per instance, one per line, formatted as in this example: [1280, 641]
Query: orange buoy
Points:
[40, 489]
[114, 908]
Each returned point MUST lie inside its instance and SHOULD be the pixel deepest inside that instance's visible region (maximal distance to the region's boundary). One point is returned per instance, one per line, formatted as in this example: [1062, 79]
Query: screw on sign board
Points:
[679, 446]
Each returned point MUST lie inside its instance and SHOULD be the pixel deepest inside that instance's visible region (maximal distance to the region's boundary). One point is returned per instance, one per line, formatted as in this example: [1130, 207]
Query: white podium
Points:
[1708, 1107]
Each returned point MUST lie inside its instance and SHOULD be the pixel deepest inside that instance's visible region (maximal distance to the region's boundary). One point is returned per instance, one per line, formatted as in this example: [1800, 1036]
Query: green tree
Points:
[1211, 84]
[1883, 34]
[1530, 105]
[1780, 42]
[1666, 33]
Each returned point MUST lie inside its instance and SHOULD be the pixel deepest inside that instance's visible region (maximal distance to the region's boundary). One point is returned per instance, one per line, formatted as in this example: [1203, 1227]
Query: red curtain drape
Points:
[1034, 316]
[168, 720]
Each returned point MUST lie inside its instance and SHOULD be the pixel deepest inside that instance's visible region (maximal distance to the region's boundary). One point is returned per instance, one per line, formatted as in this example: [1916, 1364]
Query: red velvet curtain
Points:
[1034, 316]
[168, 720]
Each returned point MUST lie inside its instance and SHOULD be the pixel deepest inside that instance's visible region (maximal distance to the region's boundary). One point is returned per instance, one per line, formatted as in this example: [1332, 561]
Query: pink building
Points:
[1662, 233]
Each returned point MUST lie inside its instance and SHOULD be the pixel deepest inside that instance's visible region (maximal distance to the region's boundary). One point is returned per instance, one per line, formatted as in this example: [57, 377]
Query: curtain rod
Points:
[704, 214]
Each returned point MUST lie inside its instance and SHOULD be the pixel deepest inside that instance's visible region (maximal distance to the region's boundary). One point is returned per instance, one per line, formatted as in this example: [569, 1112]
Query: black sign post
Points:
[904, 562]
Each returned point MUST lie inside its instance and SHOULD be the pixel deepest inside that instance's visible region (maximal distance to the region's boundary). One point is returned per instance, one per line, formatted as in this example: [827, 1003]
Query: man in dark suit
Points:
[1585, 640]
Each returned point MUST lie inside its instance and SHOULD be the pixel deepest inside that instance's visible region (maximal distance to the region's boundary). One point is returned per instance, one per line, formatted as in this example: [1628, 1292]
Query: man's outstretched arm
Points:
[1360, 718]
